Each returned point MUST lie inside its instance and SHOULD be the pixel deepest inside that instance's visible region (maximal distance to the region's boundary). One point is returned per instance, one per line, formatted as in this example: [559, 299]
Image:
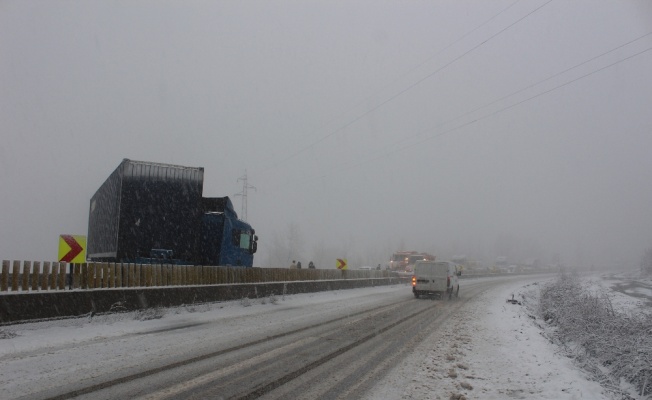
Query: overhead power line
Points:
[513, 105]
[531, 85]
[415, 84]
[473, 121]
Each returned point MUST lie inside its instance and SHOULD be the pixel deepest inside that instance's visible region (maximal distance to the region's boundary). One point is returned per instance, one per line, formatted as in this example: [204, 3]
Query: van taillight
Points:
[414, 281]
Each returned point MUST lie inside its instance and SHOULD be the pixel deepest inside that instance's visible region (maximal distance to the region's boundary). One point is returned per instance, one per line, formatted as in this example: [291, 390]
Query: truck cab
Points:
[435, 278]
[226, 240]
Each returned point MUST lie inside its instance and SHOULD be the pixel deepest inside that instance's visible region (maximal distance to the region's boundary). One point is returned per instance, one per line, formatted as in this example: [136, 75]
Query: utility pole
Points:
[243, 193]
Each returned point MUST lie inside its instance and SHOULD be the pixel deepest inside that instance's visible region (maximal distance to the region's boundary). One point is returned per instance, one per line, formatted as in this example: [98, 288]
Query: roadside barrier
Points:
[28, 276]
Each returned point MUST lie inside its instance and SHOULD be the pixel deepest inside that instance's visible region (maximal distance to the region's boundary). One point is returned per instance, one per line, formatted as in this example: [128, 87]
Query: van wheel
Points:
[457, 293]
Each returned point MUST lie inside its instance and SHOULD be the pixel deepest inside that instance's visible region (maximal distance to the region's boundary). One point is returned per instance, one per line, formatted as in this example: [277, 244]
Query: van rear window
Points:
[436, 269]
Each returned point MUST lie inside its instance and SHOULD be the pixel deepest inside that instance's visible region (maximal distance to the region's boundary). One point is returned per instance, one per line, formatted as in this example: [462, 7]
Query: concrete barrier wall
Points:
[17, 307]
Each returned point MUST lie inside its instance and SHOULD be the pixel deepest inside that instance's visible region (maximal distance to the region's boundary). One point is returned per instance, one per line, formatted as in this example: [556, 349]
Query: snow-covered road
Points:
[492, 350]
[489, 349]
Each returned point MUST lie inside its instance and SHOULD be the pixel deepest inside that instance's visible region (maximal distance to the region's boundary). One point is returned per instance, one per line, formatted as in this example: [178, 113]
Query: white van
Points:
[435, 278]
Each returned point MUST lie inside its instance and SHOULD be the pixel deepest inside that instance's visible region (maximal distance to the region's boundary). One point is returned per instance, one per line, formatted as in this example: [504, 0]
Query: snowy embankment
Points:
[603, 331]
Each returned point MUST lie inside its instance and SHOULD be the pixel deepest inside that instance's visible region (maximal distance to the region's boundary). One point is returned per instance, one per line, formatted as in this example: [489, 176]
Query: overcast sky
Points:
[455, 127]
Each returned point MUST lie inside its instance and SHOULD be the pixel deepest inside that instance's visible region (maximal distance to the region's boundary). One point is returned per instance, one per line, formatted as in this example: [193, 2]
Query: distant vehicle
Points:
[403, 261]
[365, 268]
[155, 213]
[435, 278]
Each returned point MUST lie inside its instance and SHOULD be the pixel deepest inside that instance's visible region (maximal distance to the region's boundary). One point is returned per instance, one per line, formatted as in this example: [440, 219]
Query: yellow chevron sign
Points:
[72, 248]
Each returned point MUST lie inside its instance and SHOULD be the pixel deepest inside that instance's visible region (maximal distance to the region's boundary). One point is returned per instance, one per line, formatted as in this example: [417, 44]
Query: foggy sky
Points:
[443, 126]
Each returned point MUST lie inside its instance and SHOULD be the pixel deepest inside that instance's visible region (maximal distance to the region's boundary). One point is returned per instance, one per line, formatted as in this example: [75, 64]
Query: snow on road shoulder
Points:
[492, 349]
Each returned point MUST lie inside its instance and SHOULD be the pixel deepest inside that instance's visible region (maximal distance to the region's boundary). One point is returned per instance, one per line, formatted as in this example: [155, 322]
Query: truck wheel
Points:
[416, 295]
[457, 293]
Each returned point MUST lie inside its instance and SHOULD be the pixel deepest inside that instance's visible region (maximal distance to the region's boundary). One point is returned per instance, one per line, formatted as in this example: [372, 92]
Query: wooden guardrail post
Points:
[96, 275]
[83, 276]
[15, 274]
[131, 280]
[140, 275]
[4, 277]
[133, 275]
[151, 280]
[118, 275]
[87, 279]
[36, 272]
[4, 285]
[76, 276]
[90, 275]
[143, 275]
[110, 274]
[62, 275]
[54, 275]
[146, 275]
[103, 270]
[27, 268]
[65, 275]
[45, 276]
[158, 274]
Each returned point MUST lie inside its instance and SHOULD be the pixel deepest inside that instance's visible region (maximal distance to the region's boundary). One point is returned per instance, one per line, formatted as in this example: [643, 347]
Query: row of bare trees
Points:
[291, 244]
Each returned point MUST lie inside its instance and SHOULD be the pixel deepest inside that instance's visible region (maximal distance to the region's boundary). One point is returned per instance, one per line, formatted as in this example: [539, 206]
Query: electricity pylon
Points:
[243, 193]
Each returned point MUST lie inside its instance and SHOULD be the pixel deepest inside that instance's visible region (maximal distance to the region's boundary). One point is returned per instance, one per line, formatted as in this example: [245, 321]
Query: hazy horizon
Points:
[502, 128]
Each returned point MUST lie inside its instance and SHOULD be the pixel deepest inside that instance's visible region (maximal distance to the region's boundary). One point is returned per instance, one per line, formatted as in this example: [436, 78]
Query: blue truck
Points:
[149, 212]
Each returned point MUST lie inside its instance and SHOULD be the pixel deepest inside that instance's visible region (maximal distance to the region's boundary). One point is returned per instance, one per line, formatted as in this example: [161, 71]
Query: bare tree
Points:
[286, 246]
[646, 262]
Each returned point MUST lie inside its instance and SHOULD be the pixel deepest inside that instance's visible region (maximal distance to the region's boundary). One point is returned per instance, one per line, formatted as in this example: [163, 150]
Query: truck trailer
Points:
[149, 212]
